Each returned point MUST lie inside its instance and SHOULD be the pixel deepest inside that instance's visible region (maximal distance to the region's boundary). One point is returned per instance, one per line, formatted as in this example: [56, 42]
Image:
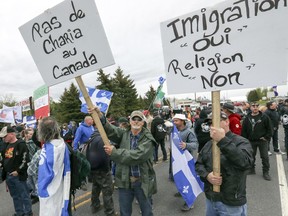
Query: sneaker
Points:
[251, 171]
[186, 208]
[266, 176]
[269, 153]
[177, 194]
[283, 153]
[94, 209]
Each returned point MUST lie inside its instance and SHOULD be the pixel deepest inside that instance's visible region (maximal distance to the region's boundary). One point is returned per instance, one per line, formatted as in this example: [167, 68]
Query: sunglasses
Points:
[254, 105]
[137, 119]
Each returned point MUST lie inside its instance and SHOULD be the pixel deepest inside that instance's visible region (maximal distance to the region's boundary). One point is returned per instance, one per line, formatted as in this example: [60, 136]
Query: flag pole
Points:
[94, 113]
[215, 149]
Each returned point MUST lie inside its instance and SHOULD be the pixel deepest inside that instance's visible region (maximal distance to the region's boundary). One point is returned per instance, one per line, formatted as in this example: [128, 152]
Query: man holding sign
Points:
[135, 176]
[236, 159]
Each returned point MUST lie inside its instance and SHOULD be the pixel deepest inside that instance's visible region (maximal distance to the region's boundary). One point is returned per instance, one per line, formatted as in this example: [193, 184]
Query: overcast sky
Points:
[133, 31]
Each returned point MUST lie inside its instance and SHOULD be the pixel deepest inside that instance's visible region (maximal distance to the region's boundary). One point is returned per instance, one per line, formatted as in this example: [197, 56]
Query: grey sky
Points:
[133, 31]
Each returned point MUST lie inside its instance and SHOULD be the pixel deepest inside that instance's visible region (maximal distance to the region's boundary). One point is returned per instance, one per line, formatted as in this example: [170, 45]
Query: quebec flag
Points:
[54, 178]
[30, 121]
[186, 180]
[101, 98]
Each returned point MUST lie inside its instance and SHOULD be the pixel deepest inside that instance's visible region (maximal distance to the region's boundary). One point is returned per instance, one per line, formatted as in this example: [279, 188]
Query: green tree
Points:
[68, 108]
[126, 97]
[105, 80]
[149, 98]
[7, 100]
[253, 95]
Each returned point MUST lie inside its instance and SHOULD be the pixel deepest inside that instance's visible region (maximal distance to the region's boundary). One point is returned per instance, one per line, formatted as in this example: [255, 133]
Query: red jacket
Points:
[235, 124]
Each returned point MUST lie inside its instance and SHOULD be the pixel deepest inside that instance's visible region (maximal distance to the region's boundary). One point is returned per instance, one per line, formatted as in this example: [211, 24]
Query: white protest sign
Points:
[25, 104]
[233, 45]
[67, 41]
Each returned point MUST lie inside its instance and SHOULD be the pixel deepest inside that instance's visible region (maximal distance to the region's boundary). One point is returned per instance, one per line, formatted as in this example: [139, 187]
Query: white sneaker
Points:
[269, 153]
[283, 153]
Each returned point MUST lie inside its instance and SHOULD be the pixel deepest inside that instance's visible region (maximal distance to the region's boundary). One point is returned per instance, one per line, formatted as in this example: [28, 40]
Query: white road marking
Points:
[282, 185]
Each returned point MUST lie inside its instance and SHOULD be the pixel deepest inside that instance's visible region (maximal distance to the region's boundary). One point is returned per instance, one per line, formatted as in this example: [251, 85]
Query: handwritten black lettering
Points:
[52, 44]
[209, 22]
[67, 54]
[45, 28]
[79, 14]
[220, 80]
[73, 68]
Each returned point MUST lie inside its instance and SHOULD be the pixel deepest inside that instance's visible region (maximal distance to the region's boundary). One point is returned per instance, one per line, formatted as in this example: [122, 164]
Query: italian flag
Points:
[41, 102]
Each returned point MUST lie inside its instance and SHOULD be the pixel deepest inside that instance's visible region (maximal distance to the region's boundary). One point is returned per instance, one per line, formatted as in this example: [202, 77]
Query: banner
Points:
[25, 104]
[67, 41]
[227, 46]
[101, 98]
[17, 112]
[7, 116]
[41, 102]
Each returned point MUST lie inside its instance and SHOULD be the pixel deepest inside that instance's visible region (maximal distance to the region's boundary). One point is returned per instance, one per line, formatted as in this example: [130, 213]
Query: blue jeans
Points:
[126, 197]
[20, 194]
[220, 209]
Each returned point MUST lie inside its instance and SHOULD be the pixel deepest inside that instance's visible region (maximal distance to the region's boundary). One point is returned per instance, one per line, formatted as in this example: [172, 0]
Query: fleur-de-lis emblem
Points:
[185, 189]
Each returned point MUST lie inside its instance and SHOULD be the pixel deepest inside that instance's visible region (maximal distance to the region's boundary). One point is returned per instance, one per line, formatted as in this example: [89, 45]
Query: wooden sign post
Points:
[94, 113]
[216, 123]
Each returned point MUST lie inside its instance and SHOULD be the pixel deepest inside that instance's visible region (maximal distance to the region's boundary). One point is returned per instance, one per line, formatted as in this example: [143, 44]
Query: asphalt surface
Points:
[264, 197]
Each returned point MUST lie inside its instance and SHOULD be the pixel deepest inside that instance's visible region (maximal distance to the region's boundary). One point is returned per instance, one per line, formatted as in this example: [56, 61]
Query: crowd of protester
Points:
[135, 142]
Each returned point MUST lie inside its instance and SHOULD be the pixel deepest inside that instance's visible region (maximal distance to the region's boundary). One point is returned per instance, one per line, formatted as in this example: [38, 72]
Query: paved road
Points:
[264, 197]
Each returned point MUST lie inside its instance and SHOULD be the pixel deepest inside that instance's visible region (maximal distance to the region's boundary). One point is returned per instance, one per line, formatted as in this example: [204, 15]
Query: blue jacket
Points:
[82, 135]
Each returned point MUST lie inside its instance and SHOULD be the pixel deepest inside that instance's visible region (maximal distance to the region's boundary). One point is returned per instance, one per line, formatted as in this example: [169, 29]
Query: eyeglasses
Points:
[137, 119]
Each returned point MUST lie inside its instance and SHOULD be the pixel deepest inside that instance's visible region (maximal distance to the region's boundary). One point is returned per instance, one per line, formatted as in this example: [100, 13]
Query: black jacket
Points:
[15, 158]
[155, 122]
[236, 158]
[261, 129]
[202, 129]
[274, 117]
[96, 155]
[284, 116]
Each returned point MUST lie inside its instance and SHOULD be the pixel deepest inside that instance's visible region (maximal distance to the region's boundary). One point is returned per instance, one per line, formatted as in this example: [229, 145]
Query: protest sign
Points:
[67, 41]
[25, 104]
[233, 45]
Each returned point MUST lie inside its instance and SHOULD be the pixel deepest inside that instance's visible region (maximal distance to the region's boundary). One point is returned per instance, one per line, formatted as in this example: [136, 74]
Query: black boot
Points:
[266, 176]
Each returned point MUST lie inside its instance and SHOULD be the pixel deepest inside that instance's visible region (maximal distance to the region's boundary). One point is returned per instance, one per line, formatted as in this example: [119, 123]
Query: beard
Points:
[136, 127]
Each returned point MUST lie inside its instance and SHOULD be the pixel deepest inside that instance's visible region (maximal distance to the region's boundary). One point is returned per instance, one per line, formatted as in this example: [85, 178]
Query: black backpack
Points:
[80, 169]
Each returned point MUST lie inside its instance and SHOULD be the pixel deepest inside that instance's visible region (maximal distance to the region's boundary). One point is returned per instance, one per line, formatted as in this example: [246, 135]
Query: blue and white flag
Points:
[275, 91]
[30, 121]
[54, 176]
[186, 180]
[101, 98]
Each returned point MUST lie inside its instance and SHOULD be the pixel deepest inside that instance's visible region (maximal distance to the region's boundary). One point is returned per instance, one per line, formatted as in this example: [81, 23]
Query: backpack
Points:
[80, 169]
[161, 131]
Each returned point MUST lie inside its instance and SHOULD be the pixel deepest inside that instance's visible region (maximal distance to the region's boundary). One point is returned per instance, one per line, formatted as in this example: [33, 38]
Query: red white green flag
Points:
[41, 102]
